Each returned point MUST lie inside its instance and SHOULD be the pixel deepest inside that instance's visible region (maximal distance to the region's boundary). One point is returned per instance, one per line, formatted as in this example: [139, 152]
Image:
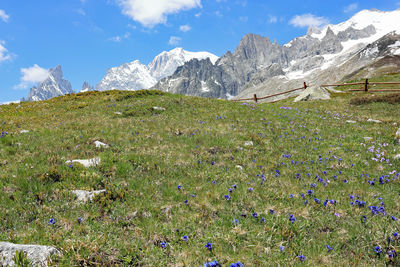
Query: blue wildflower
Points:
[51, 221]
[185, 238]
[227, 197]
[237, 264]
[329, 247]
[212, 264]
[209, 246]
[281, 248]
[302, 258]
[378, 249]
[292, 218]
[163, 244]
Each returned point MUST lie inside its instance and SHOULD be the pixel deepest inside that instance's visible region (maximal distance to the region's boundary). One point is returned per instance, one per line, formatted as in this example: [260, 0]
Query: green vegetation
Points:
[168, 175]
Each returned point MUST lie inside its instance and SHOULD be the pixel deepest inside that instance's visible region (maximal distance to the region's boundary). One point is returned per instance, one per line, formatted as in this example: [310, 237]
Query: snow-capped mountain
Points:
[86, 87]
[135, 75]
[54, 85]
[258, 65]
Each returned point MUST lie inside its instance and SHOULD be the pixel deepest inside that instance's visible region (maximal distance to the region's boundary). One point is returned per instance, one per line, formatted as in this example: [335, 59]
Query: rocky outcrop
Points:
[86, 87]
[313, 93]
[37, 255]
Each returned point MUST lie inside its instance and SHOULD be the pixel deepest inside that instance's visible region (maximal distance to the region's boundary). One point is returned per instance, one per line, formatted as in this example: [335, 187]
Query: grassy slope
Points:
[193, 143]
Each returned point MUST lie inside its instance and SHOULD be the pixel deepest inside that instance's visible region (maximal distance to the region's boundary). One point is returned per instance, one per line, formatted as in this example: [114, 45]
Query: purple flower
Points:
[250, 189]
[281, 248]
[227, 197]
[163, 244]
[185, 238]
[209, 246]
[51, 221]
[302, 258]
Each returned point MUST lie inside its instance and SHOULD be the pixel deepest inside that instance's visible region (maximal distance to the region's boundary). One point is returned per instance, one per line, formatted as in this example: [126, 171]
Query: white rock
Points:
[36, 254]
[118, 113]
[100, 144]
[85, 162]
[85, 196]
[372, 120]
[159, 108]
[350, 121]
[397, 156]
[368, 139]
[239, 167]
[248, 143]
[398, 134]
[313, 93]
[24, 131]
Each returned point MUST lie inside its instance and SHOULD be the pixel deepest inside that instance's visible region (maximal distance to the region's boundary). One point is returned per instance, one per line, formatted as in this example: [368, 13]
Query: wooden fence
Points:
[255, 98]
[366, 84]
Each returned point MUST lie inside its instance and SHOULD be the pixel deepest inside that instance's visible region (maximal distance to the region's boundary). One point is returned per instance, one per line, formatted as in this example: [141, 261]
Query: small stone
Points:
[397, 157]
[24, 131]
[372, 120]
[159, 108]
[85, 196]
[85, 162]
[239, 167]
[36, 254]
[100, 144]
[118, 113]
[350, 121]
[368, 139]
[248, 143]
[398, 134]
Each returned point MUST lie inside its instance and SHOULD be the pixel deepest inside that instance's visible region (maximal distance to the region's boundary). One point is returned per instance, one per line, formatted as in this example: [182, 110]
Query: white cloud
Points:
[307, 20]
[273, 19]
[4, 16]
[198, 15]
[32, 75]
[174, 40]
[152, 12]
[185, 28]
[244, 19]
[4, 55]
[81, 11]
[350, 8]
[116, 39]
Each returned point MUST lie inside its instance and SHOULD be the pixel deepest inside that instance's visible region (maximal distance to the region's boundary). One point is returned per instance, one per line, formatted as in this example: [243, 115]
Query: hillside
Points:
[181, 171]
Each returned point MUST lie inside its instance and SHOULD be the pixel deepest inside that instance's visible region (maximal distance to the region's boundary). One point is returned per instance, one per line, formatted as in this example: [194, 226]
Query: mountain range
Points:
[367, 43]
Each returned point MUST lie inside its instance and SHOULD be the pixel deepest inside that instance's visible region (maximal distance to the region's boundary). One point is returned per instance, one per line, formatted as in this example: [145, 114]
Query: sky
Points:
[86, 37]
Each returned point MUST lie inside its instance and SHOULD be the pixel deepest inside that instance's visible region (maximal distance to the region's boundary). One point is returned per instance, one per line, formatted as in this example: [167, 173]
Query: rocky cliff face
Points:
[54, 85]
[256, 60]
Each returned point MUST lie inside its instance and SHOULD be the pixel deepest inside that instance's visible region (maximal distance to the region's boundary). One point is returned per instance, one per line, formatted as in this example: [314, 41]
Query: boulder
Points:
[372, 120]
[100, 144]
[85, 162]
[313, 93]
[85, 196]
[36, 254]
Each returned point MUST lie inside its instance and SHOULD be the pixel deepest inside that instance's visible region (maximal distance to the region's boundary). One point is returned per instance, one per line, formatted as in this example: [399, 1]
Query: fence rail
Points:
[366, 84]
[255, 98]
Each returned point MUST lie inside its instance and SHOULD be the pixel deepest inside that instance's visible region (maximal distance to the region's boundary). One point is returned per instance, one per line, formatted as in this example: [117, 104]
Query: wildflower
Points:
[395, 234]
[290, 195]
[250, 189]
[235, 221]
[186, 202]
[180, 187]
[79, 219]
[310, 192]
[329, 247]
[302, 258]
[51, 221]
[271, 211]
[392, 254]
[254, 215]
[378, 249]
[234, 186]
[227, 197]
[237, 264]
[325, 202]
[281, 248]
[337, 214]
[230, 190]
[317, 200]
[262, 220]
[208, 246]
[163, 244]
[394, 218]
[185, 238]
[363, 218]
[292, 218]
[214, 182]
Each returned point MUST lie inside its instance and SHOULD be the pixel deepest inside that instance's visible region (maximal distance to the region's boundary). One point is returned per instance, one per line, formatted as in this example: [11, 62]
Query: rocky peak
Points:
[86, 87]
[54, 85]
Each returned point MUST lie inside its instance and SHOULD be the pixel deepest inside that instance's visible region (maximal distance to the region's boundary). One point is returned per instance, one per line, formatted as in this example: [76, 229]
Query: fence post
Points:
[366, 85]
[255, 98]
[305, 85]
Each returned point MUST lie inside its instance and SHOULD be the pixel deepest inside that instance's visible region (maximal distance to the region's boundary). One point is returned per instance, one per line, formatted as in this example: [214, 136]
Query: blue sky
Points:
[88, 36]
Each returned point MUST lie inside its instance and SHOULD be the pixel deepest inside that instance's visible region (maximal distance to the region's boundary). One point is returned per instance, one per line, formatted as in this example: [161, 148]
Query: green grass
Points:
[194, 142]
